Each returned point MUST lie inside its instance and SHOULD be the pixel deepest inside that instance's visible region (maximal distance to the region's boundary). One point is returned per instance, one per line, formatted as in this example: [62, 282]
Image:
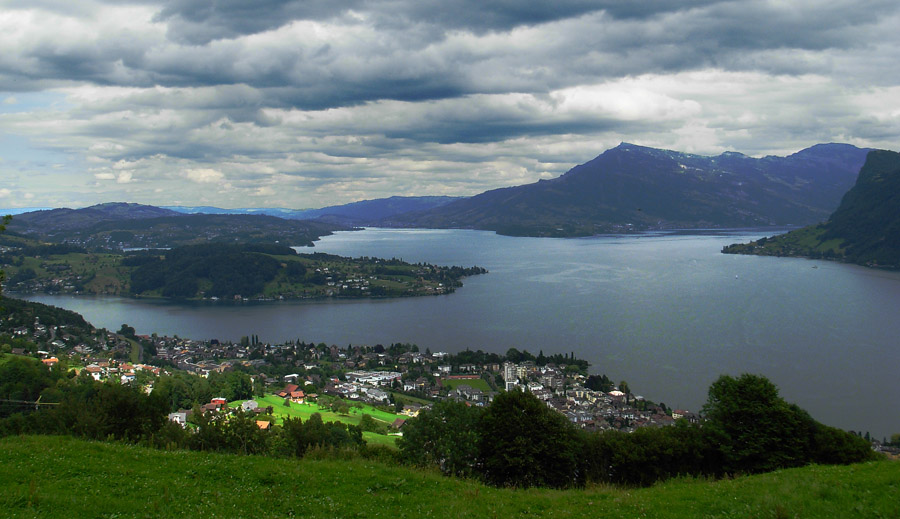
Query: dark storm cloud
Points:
[490, 126]
[227, 98]
[201, 21]
[407, 50]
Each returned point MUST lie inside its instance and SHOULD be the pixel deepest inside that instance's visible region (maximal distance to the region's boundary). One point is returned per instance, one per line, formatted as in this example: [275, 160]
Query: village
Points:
[375, 375]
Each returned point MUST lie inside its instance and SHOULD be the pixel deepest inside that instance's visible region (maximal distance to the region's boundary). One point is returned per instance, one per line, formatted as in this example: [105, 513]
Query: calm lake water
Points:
[667, 313]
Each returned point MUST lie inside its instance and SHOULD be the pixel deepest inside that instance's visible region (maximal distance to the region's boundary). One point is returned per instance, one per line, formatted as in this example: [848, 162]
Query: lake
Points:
[666, 312]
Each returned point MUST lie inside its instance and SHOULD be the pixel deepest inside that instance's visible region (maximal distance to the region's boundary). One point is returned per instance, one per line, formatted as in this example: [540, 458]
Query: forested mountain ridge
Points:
[63, 219]
[865, 228]
[632, 187]
[121, 226]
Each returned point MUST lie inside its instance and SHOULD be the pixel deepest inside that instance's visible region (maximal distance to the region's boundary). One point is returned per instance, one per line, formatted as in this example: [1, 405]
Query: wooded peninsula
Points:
[222, 272]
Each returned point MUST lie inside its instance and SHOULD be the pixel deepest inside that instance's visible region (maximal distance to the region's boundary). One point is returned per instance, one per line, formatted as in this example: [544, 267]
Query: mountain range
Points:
[630, 187]
[627, 188]
[120, 225]
[365, 212]
[865, 228]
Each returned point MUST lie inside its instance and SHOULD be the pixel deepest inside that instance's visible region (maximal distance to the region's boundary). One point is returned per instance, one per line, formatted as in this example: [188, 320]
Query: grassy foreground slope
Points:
[65, 477]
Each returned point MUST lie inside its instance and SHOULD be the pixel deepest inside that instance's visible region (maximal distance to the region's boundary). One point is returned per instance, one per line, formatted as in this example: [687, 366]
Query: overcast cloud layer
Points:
[312, 103]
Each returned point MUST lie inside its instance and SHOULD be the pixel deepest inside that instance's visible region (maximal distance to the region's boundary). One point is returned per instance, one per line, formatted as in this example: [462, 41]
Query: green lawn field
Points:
[55, 476]
[304, 411]
[478, 383]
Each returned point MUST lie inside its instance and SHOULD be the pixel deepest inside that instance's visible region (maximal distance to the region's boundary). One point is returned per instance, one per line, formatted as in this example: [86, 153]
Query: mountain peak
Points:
[628, 146]
[632, 187]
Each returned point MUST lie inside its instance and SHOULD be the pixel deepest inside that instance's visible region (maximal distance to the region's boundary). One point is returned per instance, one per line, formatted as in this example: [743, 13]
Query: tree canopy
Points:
[444, 436]
[756, 430]
[524, 443]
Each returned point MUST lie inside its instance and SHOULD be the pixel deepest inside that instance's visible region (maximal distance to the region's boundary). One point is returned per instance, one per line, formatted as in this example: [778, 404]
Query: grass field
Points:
[473, 383]
[406, 399]
[304, 411]
[45, 477]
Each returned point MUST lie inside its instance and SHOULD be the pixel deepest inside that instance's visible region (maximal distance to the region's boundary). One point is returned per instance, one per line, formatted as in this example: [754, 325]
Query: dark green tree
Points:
[445, 436]
[243, 436]
[127, 331]
[648, 455]
[524, 443]
[834, 446]
[175, 391]
[23, 379]
[239, 386]
[756, 430]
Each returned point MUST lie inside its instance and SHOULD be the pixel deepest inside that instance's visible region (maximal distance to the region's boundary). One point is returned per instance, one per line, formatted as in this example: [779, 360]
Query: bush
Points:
[649, 455]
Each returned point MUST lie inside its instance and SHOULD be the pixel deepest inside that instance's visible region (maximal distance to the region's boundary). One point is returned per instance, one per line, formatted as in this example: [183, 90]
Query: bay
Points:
[667, 312]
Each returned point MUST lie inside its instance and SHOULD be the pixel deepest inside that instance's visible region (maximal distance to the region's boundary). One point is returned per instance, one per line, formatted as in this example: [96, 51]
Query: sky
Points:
[303, 104]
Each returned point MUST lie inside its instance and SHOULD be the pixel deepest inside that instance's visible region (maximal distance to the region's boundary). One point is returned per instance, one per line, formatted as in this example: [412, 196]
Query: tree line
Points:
[518, 441]
[229, 269]
[35, 399]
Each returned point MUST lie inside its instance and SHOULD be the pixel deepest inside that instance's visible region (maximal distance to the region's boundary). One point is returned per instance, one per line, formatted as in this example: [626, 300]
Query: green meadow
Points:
[475, 383]
[45, 477]
[304, 411]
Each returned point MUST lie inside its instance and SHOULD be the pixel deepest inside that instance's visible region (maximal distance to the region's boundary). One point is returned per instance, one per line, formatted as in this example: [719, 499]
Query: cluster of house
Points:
[588, 409]
[368, 386]
[560, 390]
[61, 339]
[367, 374]
[293, 392]
[220, 405]
[565, 393]
[63, 280]
[334, 281]
[125, 373]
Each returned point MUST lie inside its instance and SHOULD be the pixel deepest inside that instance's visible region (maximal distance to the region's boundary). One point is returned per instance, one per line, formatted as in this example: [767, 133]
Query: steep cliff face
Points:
[868, 219]
[864, 229]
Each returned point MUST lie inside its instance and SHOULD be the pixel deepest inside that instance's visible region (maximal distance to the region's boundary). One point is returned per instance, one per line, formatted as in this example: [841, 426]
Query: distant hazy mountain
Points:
[120, 225]
[865, 228]
[365, 212]
[371, 211]
[205, 209]
[634, 187]
[65, 219]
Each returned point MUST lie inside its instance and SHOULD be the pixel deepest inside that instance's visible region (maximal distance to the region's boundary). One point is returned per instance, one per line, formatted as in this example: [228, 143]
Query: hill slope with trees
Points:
[222, 271]
[865, 228]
